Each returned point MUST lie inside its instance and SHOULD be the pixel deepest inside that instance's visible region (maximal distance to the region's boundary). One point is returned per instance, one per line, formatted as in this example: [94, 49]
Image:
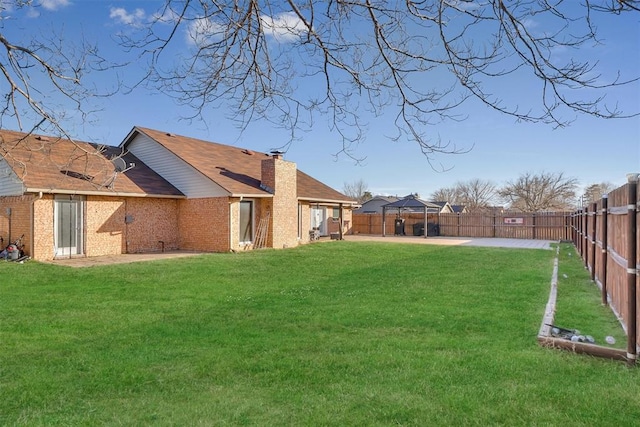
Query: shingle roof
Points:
[411, 202]
[51, 164]
[235, 169]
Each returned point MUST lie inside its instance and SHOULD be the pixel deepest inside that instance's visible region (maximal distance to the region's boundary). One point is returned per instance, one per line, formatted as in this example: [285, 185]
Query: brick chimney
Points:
[280, 178]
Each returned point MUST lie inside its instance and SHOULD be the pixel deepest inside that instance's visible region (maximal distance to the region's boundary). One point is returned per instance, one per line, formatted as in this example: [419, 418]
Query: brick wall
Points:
[151, 225]
[103, 226]
[105, 231]
[305, 222]
[43, 245]
[203, 224]
[130, 225]
[209, 225]
[18, 221]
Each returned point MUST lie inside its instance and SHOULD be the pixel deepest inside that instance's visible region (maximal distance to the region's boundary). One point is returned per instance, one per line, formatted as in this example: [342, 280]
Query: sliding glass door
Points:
[68, 225]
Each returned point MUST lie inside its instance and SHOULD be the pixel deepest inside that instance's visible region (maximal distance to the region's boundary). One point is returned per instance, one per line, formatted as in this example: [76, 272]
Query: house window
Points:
[246, 221]
[336, 213]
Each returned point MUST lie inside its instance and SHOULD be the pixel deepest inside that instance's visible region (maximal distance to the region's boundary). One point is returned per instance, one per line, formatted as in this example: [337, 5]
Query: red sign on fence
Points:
[516, 221]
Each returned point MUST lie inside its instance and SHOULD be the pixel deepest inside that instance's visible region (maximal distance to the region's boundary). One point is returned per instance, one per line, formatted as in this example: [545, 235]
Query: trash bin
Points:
[433, 229]
[418, 229]
[13, 252]
[399, 229]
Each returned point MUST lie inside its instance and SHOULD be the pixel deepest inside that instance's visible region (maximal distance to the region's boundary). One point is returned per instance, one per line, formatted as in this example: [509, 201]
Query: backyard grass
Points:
[328, 334]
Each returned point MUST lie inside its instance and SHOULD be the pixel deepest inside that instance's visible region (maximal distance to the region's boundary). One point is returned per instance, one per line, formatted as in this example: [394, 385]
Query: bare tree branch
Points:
[414, 64]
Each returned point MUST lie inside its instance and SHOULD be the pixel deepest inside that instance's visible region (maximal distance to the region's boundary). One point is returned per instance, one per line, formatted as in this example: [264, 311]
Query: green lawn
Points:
[328, 334]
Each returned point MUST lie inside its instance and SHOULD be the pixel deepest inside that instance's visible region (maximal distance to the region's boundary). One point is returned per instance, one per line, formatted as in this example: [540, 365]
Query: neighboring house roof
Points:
[236, 170]
[445, 207]
[458, 208]
[374, 205]
[57, 165]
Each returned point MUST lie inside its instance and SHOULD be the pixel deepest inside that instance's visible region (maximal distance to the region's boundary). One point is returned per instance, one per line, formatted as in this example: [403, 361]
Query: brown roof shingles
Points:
[56, 164]
[237, 170]
[53, 164]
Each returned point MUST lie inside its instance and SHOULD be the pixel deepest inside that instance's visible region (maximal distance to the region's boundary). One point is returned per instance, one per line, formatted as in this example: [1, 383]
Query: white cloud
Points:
[6, 5]
[54, 4]
[121, 16]
[201, 29]
[285, 27]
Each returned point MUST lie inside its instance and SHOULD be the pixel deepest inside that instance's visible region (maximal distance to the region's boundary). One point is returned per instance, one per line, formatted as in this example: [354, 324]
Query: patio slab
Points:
[121, 259]
[457, 241]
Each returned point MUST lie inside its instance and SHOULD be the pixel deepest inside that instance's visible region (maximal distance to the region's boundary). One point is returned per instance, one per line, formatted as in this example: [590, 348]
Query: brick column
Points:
[280, 178]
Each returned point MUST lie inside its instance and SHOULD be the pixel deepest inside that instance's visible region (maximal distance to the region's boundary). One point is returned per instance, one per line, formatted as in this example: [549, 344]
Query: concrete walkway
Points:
[456, 241]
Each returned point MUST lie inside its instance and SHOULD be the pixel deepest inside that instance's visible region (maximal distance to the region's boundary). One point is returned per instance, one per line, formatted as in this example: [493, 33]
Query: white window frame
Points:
[252, 222]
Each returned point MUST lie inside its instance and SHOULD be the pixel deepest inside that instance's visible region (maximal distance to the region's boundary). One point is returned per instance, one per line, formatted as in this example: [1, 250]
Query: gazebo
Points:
[411, 203]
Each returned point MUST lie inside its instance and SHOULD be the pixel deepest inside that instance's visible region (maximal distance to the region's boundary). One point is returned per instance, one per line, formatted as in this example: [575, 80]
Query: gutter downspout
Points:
[341, 222]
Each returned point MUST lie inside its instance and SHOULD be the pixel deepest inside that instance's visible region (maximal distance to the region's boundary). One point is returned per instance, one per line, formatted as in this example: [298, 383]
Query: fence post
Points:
[578, 222]
[494, 224]
[533, 222]
[593, 240]
[632, 179]
[585, 237]
[574, 230]
[605, 247]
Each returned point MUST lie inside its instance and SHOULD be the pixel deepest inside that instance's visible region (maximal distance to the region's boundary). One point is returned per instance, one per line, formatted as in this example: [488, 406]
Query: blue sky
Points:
[591, 150]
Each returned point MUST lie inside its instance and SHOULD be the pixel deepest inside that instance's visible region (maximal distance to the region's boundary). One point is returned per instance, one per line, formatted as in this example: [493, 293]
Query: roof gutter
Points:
[343, 202]
[103, 193]
[251, 196]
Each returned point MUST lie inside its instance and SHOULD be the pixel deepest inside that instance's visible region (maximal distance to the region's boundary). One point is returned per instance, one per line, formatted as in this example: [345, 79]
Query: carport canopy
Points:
[409, 203]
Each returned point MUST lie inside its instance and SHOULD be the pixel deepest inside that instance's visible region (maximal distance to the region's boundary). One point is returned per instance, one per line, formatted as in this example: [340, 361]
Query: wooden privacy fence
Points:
[606, 236]
[547, 225]
[372, 223]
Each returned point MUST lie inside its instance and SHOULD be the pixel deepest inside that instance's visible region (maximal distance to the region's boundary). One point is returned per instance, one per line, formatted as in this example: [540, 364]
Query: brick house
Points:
[170, 192]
